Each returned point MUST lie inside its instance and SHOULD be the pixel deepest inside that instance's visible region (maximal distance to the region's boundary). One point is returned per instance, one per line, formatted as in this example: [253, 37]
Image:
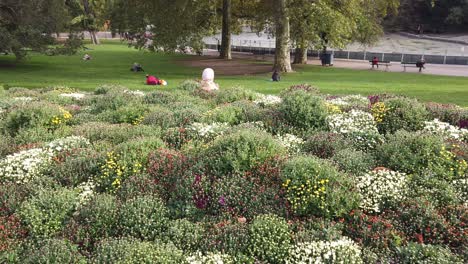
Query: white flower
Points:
[86, 190]
[291, 142]
[23, 99]
[208, 131]
[27, 165]
[353, 121]
[350, 100]
[135, 93]
[343, 250]
[76, 96]
[445, 130]
[268, 100]
[210, 258]
[377, 187]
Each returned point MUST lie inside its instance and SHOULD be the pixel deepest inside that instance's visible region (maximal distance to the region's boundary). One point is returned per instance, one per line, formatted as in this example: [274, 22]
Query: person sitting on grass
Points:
[276, 76]
[375, 62]
[137, 68]
[87, 57]
[151, 80]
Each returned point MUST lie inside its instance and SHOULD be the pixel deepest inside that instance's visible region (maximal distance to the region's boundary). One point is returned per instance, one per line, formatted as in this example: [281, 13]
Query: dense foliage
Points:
[184, 176]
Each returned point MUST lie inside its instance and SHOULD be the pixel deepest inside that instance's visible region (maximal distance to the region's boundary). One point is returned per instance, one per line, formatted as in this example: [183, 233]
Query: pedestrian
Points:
[375, 62]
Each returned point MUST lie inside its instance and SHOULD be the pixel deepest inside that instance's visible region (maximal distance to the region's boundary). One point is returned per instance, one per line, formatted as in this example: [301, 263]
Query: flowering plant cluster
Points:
[265, 100]
[301, 194]
[208, 131]
[134, 92]
[291, 142]
[58, 120]
[343, 251]
[445, 130]
[27, 165]
[86, 192]
[349, 99]
[76, 96]
[114, 171]
[353, 121]
[66, 144]
[378, 111]
[380, 186]
[210, 258]
[333, 108]
[24, 166]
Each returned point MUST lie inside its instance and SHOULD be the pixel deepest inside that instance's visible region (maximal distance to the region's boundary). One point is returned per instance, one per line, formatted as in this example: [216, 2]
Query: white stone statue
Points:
[208, 83]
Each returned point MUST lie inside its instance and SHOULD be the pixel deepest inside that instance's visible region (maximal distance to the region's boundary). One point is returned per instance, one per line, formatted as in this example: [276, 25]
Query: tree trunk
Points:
[226, 32]
[88, 13]
[94, 37]
[300, 56]
[282, 53]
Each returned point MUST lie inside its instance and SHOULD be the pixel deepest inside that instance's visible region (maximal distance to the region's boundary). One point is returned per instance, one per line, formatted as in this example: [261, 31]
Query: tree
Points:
[90, 15]
[332, 23]
[29, 24]
[282, 52]
[226, 31]
[166, 25]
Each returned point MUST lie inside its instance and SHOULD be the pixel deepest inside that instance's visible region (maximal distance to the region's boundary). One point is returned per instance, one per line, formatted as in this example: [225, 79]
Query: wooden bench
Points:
[412, 65]
[386, 63]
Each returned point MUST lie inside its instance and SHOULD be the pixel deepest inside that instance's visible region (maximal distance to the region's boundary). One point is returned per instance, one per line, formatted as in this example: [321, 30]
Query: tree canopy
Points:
[28, 24]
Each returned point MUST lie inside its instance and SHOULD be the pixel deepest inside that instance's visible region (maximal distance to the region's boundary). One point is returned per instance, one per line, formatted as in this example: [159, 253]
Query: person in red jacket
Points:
[151, 80]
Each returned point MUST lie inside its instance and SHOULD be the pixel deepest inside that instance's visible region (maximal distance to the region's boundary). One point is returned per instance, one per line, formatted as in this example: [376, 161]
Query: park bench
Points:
[412, 65]
[385, 63]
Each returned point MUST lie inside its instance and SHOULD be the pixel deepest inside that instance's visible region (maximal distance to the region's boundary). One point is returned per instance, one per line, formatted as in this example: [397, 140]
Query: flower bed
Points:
[230, 177]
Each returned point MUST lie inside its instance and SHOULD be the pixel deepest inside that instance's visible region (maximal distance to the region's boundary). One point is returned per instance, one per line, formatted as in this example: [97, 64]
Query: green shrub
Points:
[115, 134]
[240, 151]
[123, 251]
[46, 213]
[129, 114]
[34, 114]
[143, 217]
[41, 134]
[71, 169]
[408, 152]
[139, 149]
[415, 253]
[324, 144]
[189, 85]
[22, 92]
[185, 234]
[229, 95]
[314, 187]
[269, 238]
[304, 110]
[449, 113]
[51, 251]
[6, 146]
[106, 102]
[109, 89]
[97, 219]
[12, 195]
[403, 113]
[223, 114]
[246, 196]
[353, 161]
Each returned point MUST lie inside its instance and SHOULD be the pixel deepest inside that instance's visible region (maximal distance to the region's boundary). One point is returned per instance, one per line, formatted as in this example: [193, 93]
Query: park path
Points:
[432, 69]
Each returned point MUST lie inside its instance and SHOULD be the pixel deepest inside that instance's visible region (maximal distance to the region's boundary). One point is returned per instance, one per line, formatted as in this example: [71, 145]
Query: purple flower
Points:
[222, 201]
[463, 123]
[374, 99]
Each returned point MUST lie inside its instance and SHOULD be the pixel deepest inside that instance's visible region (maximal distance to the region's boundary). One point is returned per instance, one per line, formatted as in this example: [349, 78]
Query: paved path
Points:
[434, 69]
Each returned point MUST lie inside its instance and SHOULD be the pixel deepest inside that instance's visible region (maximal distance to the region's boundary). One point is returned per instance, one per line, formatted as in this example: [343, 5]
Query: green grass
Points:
[112, 61]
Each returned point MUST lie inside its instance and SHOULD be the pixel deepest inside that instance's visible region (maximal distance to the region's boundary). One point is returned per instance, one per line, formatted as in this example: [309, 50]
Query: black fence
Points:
[361, 55]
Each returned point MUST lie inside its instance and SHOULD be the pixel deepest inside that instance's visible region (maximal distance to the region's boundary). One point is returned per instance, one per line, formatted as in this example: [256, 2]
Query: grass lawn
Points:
[112, 61]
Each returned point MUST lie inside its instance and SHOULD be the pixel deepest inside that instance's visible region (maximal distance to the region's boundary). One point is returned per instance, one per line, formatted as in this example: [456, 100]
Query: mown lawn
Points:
[111, 63]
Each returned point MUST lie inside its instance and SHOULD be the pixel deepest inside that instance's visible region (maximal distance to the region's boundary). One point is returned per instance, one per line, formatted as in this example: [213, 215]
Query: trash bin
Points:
[327, 59]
